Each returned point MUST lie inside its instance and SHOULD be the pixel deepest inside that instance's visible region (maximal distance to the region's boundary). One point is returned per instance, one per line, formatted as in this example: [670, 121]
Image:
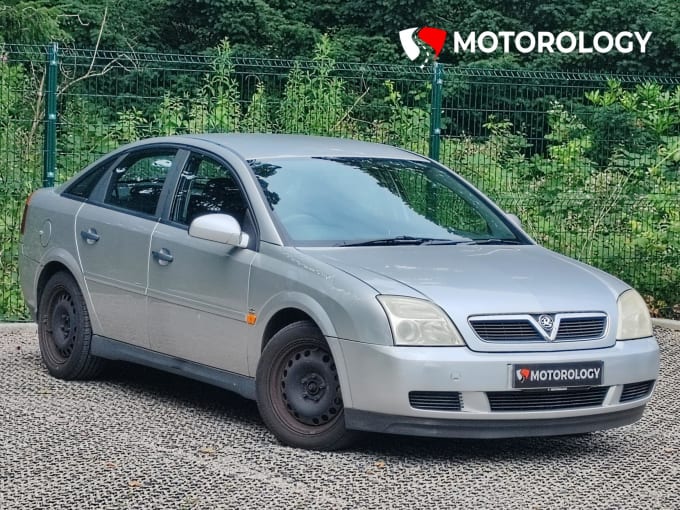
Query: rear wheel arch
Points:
[64, 328]
[47, 272]
[58, 260]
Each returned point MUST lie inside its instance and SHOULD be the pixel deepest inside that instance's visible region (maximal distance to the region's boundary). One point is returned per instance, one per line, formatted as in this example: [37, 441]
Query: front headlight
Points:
[634, 321]
[418, 322]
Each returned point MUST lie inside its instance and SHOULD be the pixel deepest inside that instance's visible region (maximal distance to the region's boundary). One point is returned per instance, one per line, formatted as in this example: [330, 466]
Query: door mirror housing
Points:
[220, 228]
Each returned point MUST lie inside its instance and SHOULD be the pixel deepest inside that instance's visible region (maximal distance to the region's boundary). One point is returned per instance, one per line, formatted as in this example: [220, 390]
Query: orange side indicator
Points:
[251, 318]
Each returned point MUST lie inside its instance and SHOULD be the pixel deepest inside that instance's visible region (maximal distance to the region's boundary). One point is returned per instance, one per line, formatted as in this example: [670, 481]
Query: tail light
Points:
[23, 218]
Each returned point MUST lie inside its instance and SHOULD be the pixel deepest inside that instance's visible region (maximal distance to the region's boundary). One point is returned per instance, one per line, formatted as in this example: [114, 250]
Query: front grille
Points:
[635, 391]
[526, 330]
[512, 330]
[435, 400]
[579, 328]
[546, 400]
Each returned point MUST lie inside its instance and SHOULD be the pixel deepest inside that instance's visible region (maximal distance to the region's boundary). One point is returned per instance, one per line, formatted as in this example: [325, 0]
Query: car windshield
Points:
[352, 201]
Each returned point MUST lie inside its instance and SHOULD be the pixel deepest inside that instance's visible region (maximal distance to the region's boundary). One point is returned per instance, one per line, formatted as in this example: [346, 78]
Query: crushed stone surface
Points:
[141, 439]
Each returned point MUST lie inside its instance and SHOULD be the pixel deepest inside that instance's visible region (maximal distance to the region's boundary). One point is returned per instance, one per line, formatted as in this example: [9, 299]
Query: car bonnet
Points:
[480, 279]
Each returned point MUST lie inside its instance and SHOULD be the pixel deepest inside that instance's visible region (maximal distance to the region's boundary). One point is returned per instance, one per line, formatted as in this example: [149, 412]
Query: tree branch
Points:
[351, 108]
[91, 73]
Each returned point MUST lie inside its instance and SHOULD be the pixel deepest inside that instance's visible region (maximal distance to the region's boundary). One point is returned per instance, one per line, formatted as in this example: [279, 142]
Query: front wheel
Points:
[64, 330]
[298, 391]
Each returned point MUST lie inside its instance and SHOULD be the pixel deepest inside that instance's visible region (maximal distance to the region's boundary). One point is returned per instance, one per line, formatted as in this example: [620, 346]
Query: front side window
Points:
[205, 187]
[137, 182]
[327, 201]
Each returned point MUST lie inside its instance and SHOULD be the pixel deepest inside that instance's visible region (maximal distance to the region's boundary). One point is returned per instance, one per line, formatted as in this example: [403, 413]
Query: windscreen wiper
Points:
[493, 241]
[463, 240]
[405, 240]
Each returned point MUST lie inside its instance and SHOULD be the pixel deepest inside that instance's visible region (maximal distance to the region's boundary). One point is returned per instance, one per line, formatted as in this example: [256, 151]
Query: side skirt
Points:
[113, 349]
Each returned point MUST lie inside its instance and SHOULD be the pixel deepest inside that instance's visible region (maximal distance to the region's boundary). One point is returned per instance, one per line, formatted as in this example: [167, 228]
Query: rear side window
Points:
[137, 182]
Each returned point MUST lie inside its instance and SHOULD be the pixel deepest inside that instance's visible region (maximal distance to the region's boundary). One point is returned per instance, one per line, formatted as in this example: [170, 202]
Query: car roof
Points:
[254, 146]
[268, 146]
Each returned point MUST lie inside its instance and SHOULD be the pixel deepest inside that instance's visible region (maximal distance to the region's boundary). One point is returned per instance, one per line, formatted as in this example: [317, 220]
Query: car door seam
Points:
[148, 259]
[86, 287]
[75, 237]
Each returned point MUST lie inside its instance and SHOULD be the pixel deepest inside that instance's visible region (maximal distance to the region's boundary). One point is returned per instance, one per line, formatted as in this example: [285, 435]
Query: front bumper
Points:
[376, 382]
[488, 429]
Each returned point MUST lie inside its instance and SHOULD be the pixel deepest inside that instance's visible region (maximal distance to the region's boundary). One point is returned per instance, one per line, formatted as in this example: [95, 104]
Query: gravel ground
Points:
[138, 438]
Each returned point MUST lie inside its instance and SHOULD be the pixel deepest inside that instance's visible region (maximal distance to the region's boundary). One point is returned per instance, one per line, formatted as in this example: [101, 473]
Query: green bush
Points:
[20, 162]
[604, 189]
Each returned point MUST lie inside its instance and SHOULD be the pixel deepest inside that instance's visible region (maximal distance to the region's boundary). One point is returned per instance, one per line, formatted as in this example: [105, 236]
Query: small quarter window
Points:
[84, 186]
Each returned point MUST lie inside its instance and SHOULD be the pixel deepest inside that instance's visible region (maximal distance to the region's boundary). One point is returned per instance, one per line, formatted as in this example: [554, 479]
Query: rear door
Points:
[198, 290]
[113, 231]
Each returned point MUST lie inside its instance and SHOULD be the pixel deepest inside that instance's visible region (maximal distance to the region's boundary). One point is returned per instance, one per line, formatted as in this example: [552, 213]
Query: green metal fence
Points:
[589, 164]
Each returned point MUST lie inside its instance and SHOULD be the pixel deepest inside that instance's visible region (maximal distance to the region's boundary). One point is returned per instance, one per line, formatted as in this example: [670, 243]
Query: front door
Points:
[198, 290]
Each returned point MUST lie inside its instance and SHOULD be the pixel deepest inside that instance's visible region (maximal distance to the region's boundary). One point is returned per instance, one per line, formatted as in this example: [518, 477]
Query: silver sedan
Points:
[346, 286]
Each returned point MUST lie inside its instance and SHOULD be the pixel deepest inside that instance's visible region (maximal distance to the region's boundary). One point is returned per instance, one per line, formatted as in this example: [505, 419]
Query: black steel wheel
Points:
[64, 330]
[298, 390]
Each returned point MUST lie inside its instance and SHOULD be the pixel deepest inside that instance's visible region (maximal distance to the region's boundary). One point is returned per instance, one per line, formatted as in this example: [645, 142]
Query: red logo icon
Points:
[427, 39]
[523, 374]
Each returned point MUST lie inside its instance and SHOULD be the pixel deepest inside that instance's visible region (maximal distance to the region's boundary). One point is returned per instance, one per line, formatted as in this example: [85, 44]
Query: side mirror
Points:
[514, 219]
[220, 228]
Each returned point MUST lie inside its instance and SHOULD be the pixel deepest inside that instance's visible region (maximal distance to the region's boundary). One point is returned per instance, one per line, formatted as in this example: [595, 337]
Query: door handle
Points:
[162, 256]
[90, 236]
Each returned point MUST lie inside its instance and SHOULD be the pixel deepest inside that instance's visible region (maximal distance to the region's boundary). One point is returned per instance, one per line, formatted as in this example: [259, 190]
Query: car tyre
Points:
[298, 390]
[64, 330]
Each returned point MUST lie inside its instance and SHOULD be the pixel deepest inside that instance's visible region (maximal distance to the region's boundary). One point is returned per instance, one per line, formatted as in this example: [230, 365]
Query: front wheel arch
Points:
[280, 320]
[288, 315]
[299, 392]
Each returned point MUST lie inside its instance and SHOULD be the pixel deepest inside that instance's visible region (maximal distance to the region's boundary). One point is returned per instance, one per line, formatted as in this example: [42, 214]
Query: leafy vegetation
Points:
[598, 181]
[365, 31]
[620, 214]
[601, 195]
[20, 153]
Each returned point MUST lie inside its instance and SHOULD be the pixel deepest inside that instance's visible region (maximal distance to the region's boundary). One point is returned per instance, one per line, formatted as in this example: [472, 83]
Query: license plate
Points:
[551, 375]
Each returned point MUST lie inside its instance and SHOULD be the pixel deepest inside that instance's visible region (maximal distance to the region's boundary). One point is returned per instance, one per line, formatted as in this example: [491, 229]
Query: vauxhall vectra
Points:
[345, 286]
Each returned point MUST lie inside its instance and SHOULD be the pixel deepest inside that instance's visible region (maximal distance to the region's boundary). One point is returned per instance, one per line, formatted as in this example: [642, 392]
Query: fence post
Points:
[436, 110]
[50, 142]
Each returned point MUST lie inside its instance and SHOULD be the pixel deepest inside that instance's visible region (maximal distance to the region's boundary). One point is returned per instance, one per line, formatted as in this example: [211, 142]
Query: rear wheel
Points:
[64, 330]
[298, 390]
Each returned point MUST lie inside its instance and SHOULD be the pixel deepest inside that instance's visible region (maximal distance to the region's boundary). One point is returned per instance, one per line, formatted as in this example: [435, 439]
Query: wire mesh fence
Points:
[21, 153]
[589, 162]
